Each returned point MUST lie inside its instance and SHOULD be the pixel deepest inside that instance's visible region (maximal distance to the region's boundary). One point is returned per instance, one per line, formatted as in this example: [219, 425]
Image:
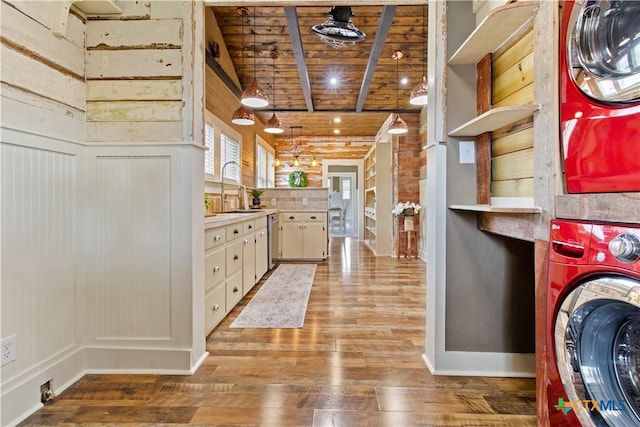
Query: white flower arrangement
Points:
[404, 209]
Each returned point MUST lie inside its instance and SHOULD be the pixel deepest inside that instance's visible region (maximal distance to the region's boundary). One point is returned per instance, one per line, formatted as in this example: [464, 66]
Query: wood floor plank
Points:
[356, 362]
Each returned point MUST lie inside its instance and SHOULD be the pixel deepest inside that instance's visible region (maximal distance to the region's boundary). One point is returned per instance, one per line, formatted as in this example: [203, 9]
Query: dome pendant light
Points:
[397, 125]
[242, 116]
[274, 125]
[254, 96]
[419, 94]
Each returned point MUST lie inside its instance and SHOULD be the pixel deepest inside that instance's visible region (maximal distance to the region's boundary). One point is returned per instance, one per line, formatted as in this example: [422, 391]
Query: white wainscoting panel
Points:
[132, 274]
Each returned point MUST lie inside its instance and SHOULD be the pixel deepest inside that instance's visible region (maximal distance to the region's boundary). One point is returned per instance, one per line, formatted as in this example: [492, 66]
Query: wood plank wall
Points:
[134, 71]
[512, 146]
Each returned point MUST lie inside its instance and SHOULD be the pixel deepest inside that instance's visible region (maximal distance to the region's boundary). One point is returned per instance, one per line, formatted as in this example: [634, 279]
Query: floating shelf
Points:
[494, 119]
[497, 209]
[493, 31]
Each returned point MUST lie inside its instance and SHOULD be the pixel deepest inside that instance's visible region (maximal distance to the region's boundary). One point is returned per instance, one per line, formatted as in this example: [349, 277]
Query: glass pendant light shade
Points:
[296, 162]
[274, 125]
[243, 117]
[277, 162]
[419, 94]
[397, 126]
[313, 163]
[254, 96]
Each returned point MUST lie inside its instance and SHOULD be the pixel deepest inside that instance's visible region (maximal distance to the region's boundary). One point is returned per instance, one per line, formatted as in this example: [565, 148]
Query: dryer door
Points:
[604, 49]
[597, 343]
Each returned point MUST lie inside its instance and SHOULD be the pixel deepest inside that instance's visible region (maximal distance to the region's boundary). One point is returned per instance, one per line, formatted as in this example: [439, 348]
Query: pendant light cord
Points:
[254, 43]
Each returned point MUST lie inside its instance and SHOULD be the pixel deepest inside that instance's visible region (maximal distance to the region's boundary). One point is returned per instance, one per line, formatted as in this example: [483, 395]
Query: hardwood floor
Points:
[356, 362]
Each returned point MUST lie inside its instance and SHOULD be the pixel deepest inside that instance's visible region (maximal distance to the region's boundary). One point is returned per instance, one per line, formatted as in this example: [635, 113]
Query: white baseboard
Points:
[467, 363]
[21, 396]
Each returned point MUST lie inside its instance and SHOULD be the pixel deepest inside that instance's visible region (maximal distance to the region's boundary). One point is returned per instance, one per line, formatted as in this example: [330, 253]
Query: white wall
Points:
[101, 239]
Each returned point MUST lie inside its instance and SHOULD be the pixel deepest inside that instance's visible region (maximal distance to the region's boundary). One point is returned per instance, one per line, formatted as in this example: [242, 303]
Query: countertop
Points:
[227, 218]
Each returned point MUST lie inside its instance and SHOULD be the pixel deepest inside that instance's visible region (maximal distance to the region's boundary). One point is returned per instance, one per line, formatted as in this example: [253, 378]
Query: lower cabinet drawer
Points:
[214, 269]
[234, 257]
[234, 290]
[214, 307]
[314, 217]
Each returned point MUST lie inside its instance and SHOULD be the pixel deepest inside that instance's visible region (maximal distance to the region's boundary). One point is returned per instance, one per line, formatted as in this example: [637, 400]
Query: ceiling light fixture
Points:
[296, 153]
[419, 94]
[397, 125]
[242, 116]
[274, 125]
[254, 96]
[338, 31]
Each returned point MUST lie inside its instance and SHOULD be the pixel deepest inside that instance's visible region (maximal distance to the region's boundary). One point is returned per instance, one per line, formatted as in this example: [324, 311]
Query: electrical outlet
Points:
[273, 201]
[304, 201]
[8, 350]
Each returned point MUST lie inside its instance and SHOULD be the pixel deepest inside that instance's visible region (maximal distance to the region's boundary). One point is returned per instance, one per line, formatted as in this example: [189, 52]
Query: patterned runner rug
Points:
[281, 302]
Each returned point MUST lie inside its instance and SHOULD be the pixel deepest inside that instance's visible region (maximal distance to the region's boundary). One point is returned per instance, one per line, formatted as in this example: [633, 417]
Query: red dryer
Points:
[593, 325]
[600, 95]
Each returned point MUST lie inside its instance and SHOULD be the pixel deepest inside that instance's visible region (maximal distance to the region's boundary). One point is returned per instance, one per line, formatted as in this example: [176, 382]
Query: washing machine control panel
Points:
[625, 248]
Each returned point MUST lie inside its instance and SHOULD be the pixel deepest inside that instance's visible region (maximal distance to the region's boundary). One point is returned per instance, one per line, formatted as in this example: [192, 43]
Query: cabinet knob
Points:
[217, 237]
[216, 268]
[250, 227]
[263, 233]
[292, 217]
[246, 241]
[215, 307]
[235, 257]
[235, 231]
[235, 289]
[314, 217]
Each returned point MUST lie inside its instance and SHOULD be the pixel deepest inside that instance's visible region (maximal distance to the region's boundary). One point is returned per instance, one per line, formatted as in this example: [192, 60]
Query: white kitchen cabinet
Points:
[262, 248]
[235, 260]
[248, 257]
[303, 235]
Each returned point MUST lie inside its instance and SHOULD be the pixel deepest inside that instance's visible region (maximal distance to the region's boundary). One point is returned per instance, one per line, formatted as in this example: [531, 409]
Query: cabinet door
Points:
[262, 260]
[248, 263]
[291, 239]
[313, 243]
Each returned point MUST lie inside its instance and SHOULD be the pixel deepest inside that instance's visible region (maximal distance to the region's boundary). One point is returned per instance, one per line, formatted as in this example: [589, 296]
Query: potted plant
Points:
[256, 193]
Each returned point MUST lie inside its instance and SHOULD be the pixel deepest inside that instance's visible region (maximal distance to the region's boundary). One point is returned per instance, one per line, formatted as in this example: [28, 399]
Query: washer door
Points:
[597, 343]
[604, 49]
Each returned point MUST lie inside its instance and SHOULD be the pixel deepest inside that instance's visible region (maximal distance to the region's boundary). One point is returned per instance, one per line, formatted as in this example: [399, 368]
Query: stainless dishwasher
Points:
[273, 234]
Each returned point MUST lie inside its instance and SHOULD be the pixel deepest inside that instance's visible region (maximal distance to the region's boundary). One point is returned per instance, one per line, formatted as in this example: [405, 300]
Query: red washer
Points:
[593, 325]
[600, 95]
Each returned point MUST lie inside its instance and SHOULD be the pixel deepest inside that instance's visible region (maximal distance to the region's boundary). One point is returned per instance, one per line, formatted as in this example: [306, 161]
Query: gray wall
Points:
[343, 169]
[490, 278]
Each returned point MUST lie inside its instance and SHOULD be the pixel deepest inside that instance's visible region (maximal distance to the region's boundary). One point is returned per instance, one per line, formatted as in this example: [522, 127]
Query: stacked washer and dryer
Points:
[593, 310]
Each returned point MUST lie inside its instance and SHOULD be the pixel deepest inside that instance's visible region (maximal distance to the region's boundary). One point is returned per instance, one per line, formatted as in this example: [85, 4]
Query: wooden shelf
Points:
[498, 209]
[494, 119]
[493, 31]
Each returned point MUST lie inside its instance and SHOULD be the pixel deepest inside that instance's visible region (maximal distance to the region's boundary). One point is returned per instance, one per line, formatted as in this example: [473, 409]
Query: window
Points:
[229, 152]
[346, 189]
[265, 172]
[209, 158]
[223, 144]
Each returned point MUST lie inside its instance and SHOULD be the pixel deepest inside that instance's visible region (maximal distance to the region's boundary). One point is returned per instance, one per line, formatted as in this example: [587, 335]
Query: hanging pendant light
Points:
[397, 125]
[254, 96]
[419, 94]
[274, 125]
[242, 116]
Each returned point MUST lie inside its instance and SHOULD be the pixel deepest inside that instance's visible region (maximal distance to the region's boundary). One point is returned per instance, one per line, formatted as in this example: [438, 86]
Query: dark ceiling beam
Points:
[298, 52]
[386, 19]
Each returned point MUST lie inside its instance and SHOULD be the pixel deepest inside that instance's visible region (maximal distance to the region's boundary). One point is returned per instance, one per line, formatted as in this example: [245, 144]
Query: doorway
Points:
[342, 182]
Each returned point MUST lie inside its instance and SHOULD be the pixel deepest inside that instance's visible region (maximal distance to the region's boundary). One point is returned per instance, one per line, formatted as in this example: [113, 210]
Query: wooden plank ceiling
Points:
[366, 73]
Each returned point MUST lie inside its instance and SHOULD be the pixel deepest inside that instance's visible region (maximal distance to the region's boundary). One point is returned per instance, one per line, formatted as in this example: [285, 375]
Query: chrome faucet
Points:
[223, 197]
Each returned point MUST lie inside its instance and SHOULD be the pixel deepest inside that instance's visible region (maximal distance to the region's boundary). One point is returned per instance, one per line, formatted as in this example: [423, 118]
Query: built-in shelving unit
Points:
[492, 33]
[377, 199]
